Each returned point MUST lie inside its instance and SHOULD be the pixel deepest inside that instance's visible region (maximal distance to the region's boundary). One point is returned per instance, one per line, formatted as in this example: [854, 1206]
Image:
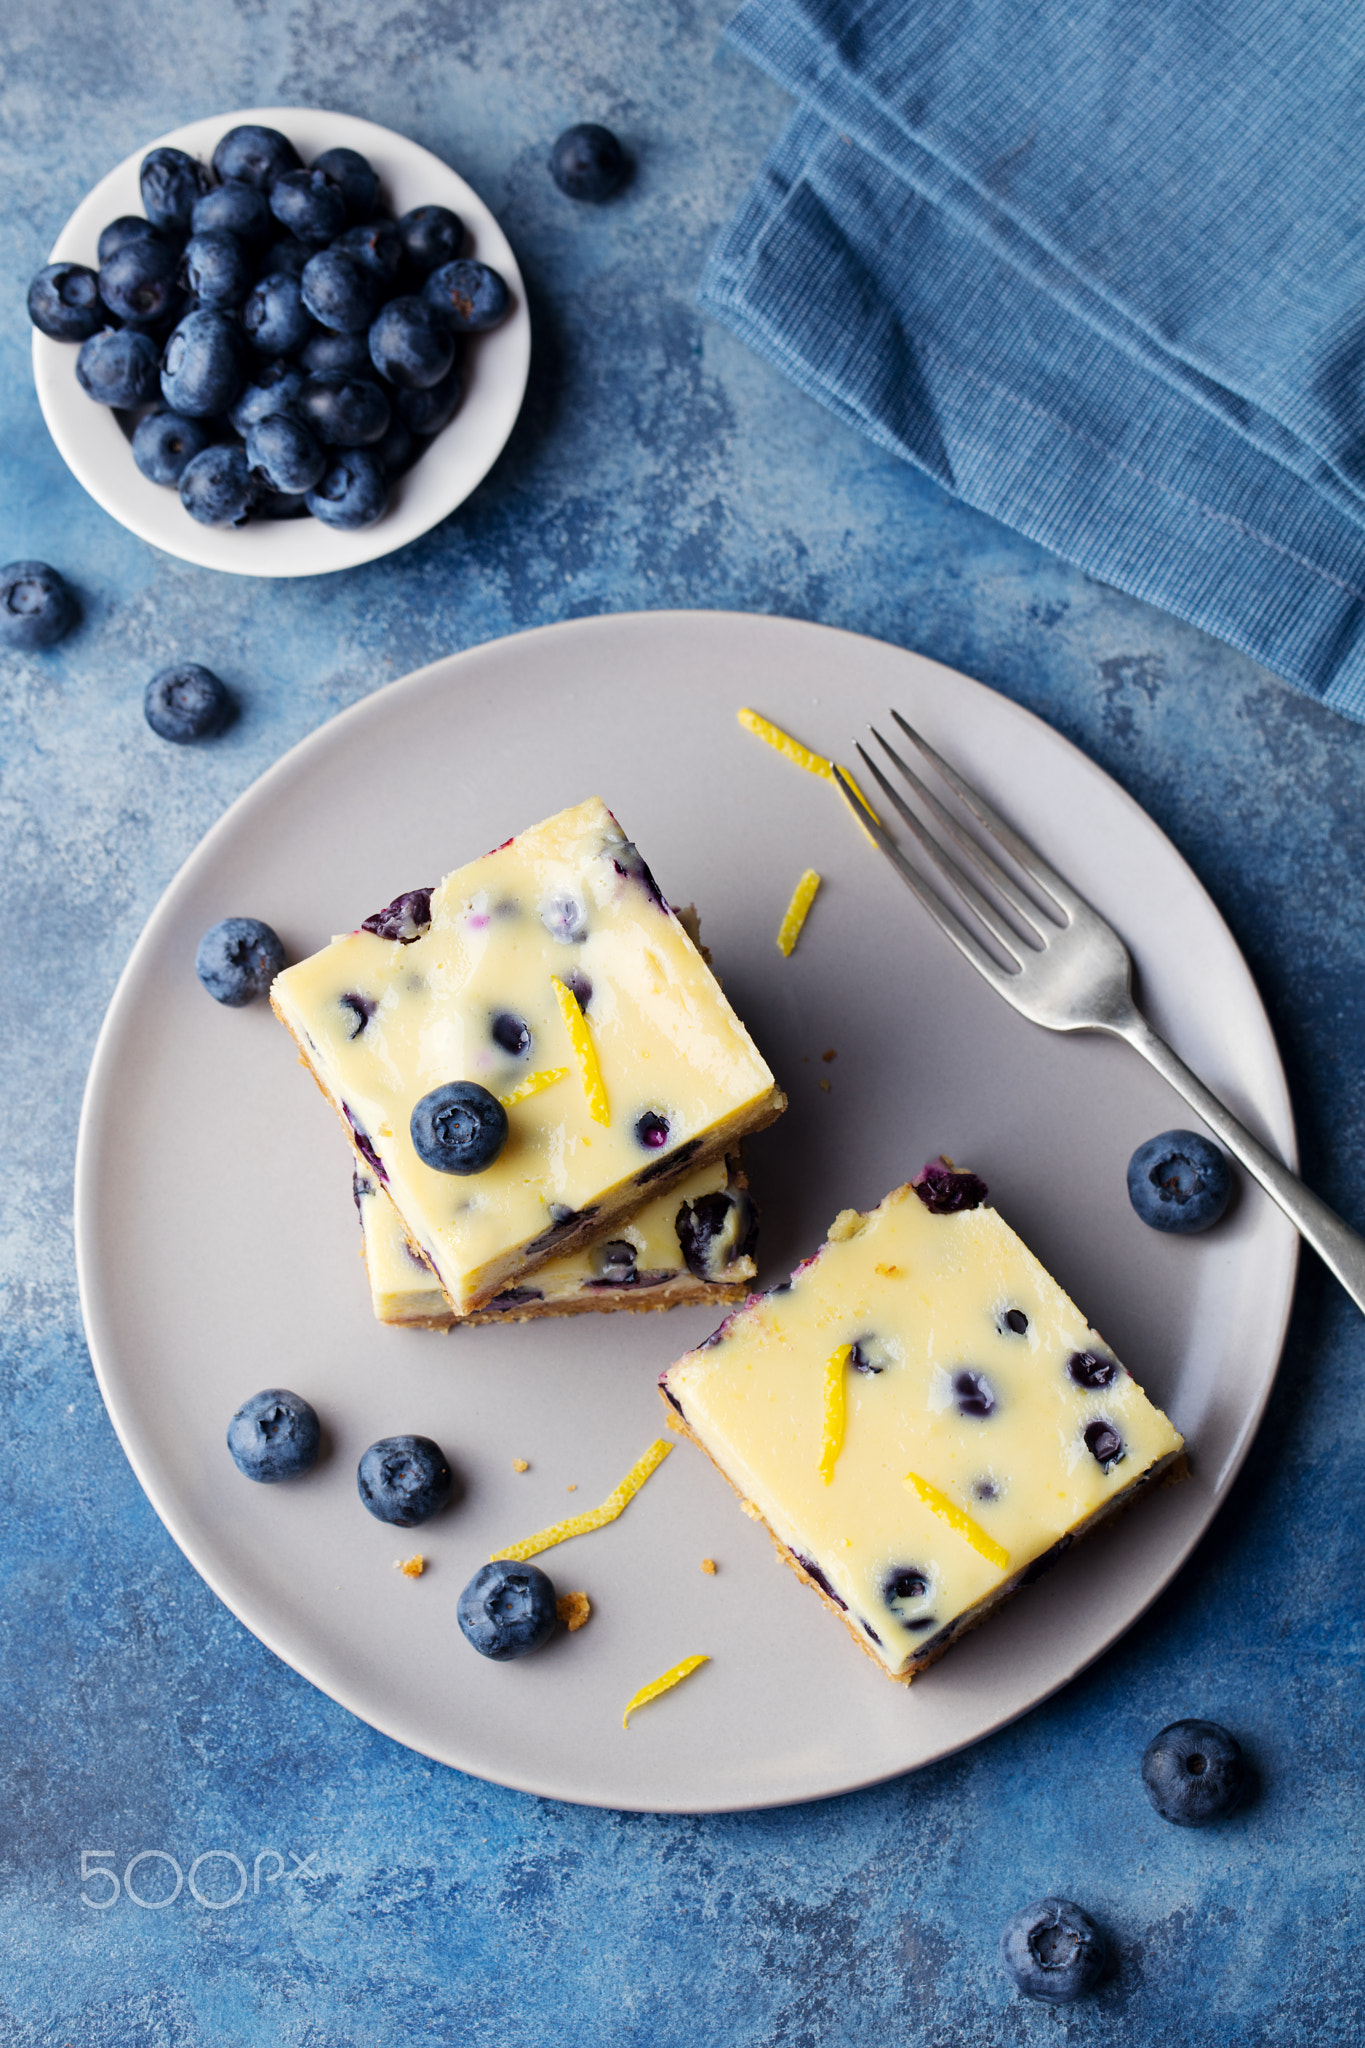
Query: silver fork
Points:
[1071, 971]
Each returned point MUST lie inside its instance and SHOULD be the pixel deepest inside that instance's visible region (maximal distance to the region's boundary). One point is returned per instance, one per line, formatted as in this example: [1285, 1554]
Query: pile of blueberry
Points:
[282, 344]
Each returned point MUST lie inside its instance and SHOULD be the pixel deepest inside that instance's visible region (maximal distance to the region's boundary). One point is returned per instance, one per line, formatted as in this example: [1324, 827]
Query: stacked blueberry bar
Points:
[527, 1056]
[921, 1417]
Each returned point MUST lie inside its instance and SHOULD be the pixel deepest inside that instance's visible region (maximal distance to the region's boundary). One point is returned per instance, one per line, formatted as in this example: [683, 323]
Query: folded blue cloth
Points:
[1098, 267]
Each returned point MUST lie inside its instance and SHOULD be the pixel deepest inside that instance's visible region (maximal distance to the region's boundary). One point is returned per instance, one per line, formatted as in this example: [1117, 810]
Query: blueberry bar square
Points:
[694, 1245]
[527, 1054]
[921, 1418]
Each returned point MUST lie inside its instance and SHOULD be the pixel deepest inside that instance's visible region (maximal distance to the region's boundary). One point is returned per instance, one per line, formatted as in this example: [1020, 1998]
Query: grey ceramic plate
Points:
[218, 1247]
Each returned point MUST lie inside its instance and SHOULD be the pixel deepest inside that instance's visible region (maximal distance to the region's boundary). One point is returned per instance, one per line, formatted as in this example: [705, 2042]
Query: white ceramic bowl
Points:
[97, 452]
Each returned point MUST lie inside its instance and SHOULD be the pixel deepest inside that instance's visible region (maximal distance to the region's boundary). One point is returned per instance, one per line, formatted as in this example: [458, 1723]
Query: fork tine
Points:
[1004, 884]
[1003, 934]
[983, 962]
[1029, 859]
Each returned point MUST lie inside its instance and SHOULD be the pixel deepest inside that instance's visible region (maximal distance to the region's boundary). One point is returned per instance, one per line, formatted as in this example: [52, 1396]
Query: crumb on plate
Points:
[573, 1609]
[520, 1465]
[410, 1567]
[708, 1565]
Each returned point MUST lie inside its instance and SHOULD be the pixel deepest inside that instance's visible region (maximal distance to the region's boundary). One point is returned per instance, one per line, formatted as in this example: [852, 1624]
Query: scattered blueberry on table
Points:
[507, 1610]
[260, 287]
[238, 959]
[587, 162]
[187, 702]
[459, 1128]
[1053, 1950]
[37, 607]
[1179, 1181]
[404, 1480]
[1194, 1772]
[274, 1435]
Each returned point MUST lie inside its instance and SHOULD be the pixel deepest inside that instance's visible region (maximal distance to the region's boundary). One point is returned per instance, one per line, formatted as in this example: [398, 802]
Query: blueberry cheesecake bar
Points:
[526, 1055]
[921, 1418]
[692, 1245]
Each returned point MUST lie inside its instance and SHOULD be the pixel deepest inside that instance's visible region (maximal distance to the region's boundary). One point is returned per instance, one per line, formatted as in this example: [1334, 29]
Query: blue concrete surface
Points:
[656, 464]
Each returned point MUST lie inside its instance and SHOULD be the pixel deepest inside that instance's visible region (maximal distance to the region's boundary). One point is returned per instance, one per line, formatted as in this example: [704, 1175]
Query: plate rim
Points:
[86, 1191]
[352, 550]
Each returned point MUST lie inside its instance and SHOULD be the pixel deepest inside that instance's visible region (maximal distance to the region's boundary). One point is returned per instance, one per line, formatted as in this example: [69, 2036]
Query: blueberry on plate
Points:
[275, 317]
[235, 209]
[164, 443]
[459, 1128]
[275, 387]
[377, 246]
[410, 346]
[237, 960]
[1179, 1182]
[310, 204]
[171, 182]
[431, 236]
[587, 162]
[1194, 1772]
[141, 283]
[507, 1610]
[357, 178]
[274, 1435]
[187, 702]
[404, 1479]
[349, 353]
[216, 268]
[255, 155]
[36, 606]
[120, 366]
[128, 227]
[201, 370]
[424, 413]
[353, 492]
[343, 411]
[466, 295]
[339, 292]
[64, 302]
[217, 488]
[1053, 1950]
[282, 454]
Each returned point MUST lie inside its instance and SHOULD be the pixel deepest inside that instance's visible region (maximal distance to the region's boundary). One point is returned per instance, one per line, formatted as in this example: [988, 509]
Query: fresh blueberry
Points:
[339, 292]
[1092, 1369]
[275, 318]
[141, 283]
[349, 353]
[512, 1033]
[974, 1394]
[1104, 1443]
[356, 177]
[64, 302]
[651, 1131]
[431, 236]
[237, 960]
[274, 1435]
[283, 455]
[171, 182]
[310, 204]
[216, 268]
[1015, 1321]
[404, 1480]
[587, 162]
[377, 247]
[274, 389]
[409, 345]
[343, 411]
[564, 918]
[187, 702]
[289, 257]
[459, 1128]
[397, 449]
[36, 606]
[507, 1610]
[353, 492]
[424, 413]
[129, 227]
[403, 920]
[216, 488]
[235, 209]
[255, 155]
[716, 1229]
[164, 442]
[1194, 1772]
[1179, 1182]
[466, 295]
[201, 371]
[1053, 1950]
[946, 1192]
[119, 367]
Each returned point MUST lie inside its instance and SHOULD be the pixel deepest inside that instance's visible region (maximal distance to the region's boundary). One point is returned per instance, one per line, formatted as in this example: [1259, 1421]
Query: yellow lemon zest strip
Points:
[585, 1052]
[532, 1085]
[803, 895]
[939, 1504]
[803, 757]
[665, 1684]
[833, 1440]
[591, 1518]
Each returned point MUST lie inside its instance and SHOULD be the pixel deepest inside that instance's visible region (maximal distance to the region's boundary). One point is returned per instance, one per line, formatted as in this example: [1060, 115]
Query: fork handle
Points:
[1341, 1250]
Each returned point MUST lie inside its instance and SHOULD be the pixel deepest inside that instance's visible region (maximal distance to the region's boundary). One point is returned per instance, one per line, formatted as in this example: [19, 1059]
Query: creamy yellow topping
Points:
[797, 911]
[592, 1518]
[670, 1678]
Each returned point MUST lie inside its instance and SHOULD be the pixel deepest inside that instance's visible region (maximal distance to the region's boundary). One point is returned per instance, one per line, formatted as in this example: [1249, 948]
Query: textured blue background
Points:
[655, 464]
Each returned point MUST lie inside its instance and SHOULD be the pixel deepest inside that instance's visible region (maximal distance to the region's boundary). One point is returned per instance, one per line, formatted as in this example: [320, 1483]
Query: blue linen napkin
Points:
[1097, 266]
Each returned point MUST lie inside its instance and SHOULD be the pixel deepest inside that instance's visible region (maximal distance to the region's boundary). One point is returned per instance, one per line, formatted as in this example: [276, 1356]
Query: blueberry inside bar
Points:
[551, 975]
[692, 1245]
[921, 1417]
